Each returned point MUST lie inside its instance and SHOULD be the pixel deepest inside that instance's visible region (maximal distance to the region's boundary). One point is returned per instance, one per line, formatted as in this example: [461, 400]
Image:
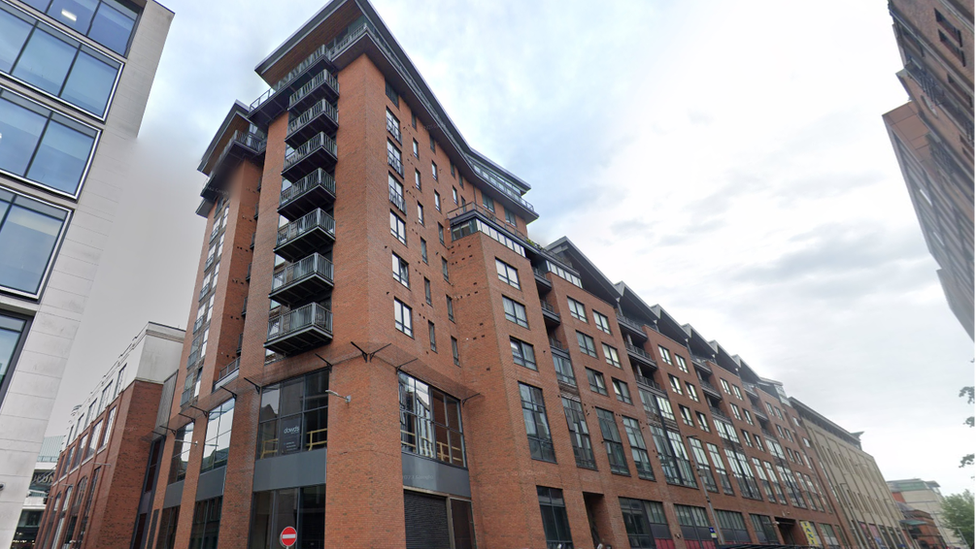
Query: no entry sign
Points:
[288, 537]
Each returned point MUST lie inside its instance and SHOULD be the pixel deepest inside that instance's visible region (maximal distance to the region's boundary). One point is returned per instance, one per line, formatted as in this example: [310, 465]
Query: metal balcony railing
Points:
[558, 345]
[643, 380]
[709, 388]
[630, 323]
[312, 265]
[394, 162]
[719, 414]
[320, 107]
[227, 371]
[316, 219]
[397, 199]
[323, 78]
[394, 129]
[640, 353]
[319, 182]
[321, 140]
[308, 316]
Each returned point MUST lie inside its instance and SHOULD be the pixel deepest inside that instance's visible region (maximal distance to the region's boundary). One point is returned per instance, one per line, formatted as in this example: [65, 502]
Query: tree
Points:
[970, 394]
[957, 513]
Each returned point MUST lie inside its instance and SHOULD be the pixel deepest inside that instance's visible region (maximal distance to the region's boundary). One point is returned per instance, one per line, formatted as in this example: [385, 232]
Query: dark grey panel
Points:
[211, 484]
[145, 502]
[290, 471]
[165, 401]
[174, 493]
[435, 476]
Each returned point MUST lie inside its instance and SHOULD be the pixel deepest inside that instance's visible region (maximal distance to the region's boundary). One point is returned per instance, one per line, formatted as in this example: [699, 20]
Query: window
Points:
[664, 407]
[758, 440]
[779, 413]
[11, 331]
[427, 291]
[577, 310]
[702, 422]
[401, 271]
[42, 145]
[612, 442]
[536, 424]
[746, 438]
[507, 273]
[423, 250]
[675, 384]
[694, 527]
[294, 415]
[220, 420]
[433, 147]
[416, 146]
[450, 308]
[431, 332]
[454, 193]
[398, 228]
[183, 441]
[602, 322]
[393, 158]
[402, 317]
[701, 460]
[692, 392]
[433, 171]
[206, 523]
[444, 271]
[665, 354]
[437, 200]
[488, 202]
[748, 416]
[579, 434]
[108, 23]
[586, 344]
[55, 63]
[638, 448]
[738, 393]
[301, 508]
[413, 122]
[621, 390]
[523, 354]
[673, 456]
[430, 422]
[393, 126]
[725, 386]
[682, 365]
[597, 383]
[686, 416]
[769, 408]
[420, 212]
[510, 218]
[647, 526]
[455, 354]
[764, 480]
[416, 179]
[564, 370]
[733, 527]
[29, 233]
[440, 233]
[515, 312]
[109, 423]
[93, 441]
[392, 95]
[555, 523]
[765, 530]
[611, 356]
[735, 411]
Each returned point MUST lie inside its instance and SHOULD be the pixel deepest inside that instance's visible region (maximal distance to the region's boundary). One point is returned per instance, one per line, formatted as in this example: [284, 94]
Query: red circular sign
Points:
[288, 536]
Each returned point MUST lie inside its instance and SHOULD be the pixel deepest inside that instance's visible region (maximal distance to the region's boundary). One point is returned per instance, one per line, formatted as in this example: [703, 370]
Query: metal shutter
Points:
[426, 521]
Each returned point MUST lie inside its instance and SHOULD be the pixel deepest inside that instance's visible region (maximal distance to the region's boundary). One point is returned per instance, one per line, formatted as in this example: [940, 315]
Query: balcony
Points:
[396, 198]
[700, 363]
[313, 232]
[767, 434]
[309, 279]
[541, 281]
[647, 382]
[709, 389]
[308, 193]
[549, 314]
[558, 346]
[394, 161]
[750, 390]
[322, 116]
[304, 328]
[719, 414]
[227, 374]
[187, 398]
[318, 152]
[323, 86]
[240, 145]
[631, 326]
[760, 413]
[272, 102]
[394, 129]
[640, 355]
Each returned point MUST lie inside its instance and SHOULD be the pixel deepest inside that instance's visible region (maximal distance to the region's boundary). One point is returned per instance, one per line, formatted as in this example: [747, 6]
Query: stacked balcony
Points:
[318, 152]
[308, 279]
[541, 281]
[308, 193]
[313, 232]
[321, 116]
[640, 355]
[322, 86]
[299, 330]
[701, 364]
[710, 389]
[632, 327]
[549, 314]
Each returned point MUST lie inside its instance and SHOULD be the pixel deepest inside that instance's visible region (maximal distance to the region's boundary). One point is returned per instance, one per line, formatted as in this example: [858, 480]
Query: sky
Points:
[726, 159]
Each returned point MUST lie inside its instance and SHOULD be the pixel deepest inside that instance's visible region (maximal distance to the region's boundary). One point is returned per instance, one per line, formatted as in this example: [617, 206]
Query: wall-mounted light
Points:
[347, 398]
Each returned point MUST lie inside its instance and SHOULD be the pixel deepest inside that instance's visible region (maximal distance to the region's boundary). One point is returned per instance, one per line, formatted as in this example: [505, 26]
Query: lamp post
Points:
[701, 484]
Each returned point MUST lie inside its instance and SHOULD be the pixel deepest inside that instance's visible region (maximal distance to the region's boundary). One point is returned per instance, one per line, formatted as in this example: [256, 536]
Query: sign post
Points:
[288, 537]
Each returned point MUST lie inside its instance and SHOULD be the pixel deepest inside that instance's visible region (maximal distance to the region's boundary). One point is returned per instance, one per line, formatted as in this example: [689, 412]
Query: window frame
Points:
[587, 345]
[513, 317]
[507, 274]
[404, 326]
[56, 245]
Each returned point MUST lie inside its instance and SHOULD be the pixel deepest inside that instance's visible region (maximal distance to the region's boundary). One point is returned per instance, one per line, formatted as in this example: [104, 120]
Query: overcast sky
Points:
[726, 159]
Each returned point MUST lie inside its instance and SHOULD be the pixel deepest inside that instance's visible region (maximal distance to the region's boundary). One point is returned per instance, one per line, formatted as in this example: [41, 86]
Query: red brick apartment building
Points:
[381, 358]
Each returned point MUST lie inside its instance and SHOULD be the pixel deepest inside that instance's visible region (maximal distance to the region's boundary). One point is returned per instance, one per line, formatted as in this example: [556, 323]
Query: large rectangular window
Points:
[430, 422]
[29, 233]
[300, 508]
[402, 317]
[673, 456]
[555, 522]
[52, 61]
[515, 312]
[294, 415]
[701, 460]
[536, 423]
[765, 530]
[694, 527]
[220, 421]
[507, 274]
[108, 22]
[638, 448]
[206, 523]
[11, 330]
[579, 434]
[523, 354]
[43, 146]
[564, 370]
[733, 526]
[612, 442]
[167, 528]
[183, 441]
[586, 344]
[646, 523]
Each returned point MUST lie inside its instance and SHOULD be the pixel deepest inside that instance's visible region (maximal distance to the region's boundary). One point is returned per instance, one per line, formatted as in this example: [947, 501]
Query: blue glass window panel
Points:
[76, 14]
[90, 83]
[9, 336]
[113, 26]
[45, 61]
[61, 159]
[40, 5]
[13, 34]
[20, 130]
[27, 239]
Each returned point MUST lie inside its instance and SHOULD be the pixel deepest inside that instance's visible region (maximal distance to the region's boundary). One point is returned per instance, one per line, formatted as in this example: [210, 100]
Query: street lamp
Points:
[701, 484]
